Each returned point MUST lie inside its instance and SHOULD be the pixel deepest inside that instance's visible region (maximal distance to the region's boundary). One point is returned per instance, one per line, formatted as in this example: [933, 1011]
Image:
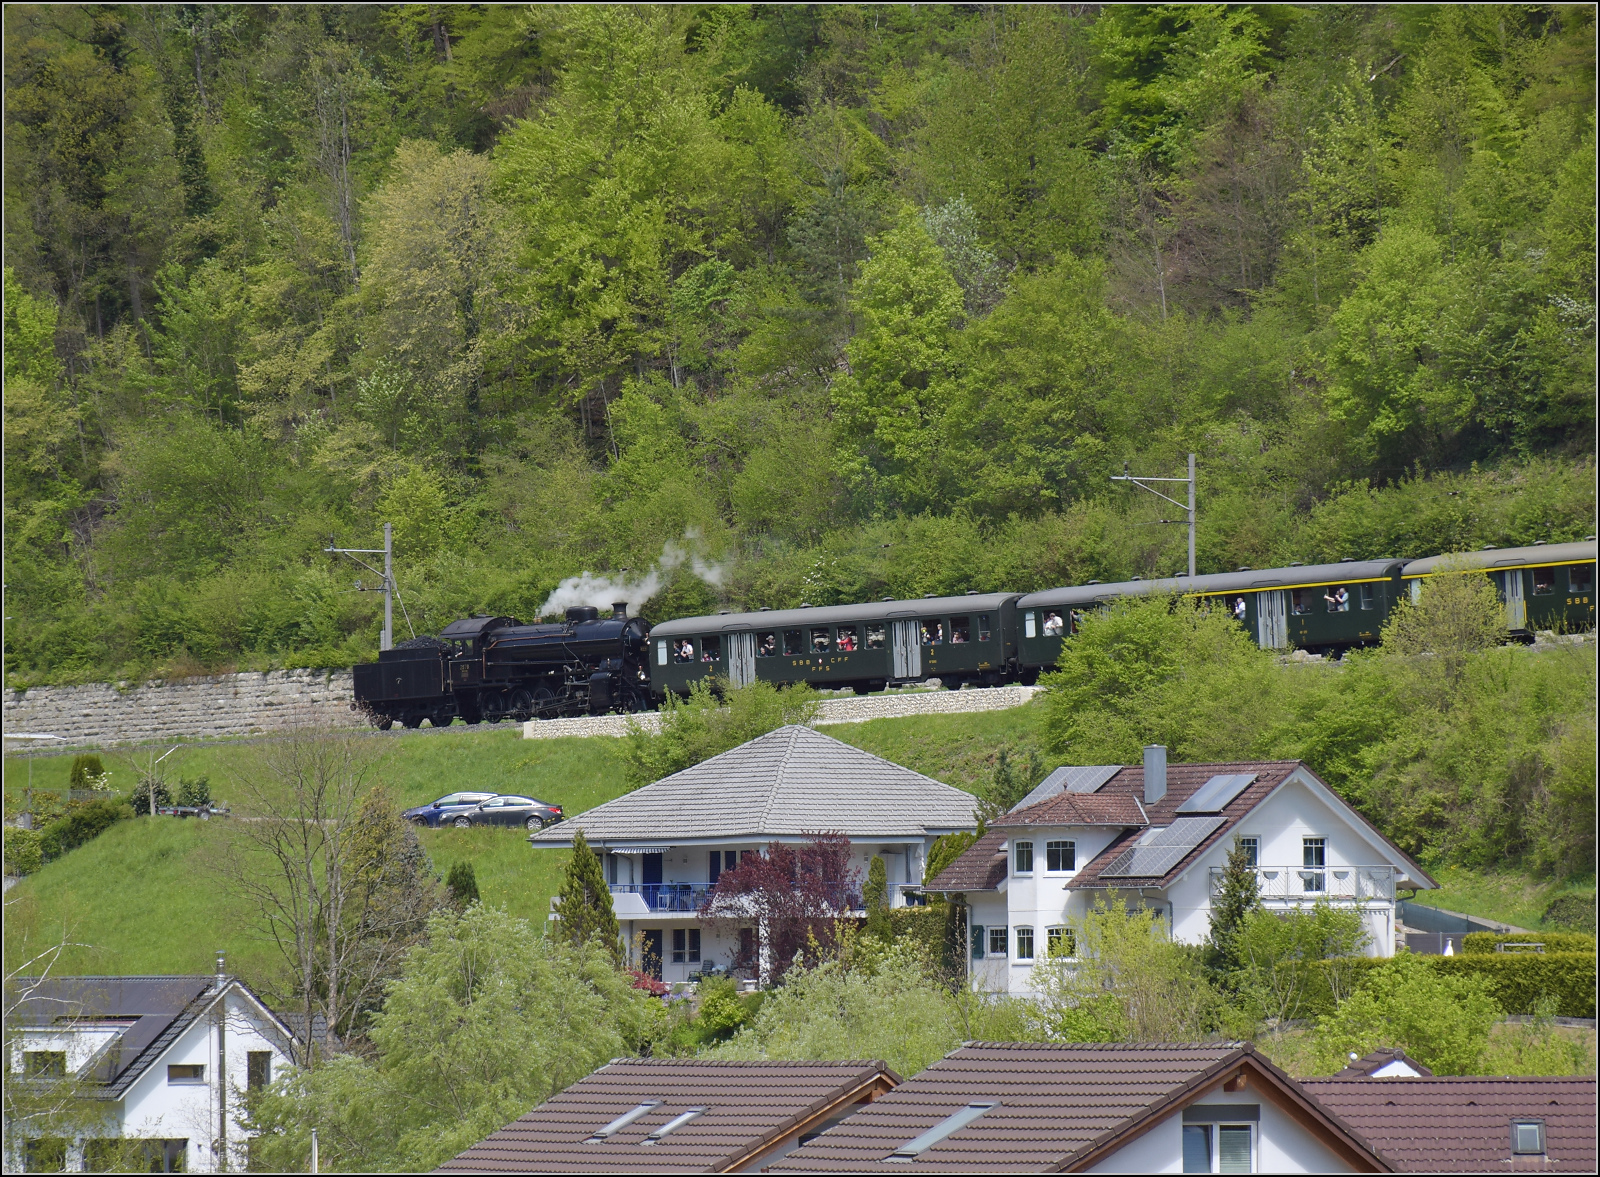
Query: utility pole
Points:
[1140, 480]
[386, 642]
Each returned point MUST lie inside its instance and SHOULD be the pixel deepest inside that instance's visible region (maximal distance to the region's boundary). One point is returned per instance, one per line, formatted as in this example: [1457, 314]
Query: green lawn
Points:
[1508, 898]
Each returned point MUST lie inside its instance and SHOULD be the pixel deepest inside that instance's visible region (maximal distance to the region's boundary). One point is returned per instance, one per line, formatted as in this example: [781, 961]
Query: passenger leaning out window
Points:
[685, 651]
[767, 645]
[847, 639]
[1238, 608]
[1338, 599]
[1052, 625]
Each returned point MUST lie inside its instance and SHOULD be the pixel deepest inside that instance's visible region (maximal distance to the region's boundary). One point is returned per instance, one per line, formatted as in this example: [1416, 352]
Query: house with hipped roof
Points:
[169, 1061]
[1158, 836]
[664, 846]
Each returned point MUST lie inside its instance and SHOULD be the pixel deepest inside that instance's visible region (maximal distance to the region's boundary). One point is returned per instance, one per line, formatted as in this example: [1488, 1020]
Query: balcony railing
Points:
[1307, 884]
[689, 897]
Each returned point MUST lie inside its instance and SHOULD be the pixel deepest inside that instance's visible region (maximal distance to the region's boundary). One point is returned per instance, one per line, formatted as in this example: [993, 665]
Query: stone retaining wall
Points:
[193, 708]
[851, 709]
[99, 714]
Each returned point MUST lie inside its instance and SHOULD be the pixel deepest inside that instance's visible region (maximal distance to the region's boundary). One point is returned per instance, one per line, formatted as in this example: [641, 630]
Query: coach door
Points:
[1272, 619]
[742, 658]
[907, 649]
[1516, 602]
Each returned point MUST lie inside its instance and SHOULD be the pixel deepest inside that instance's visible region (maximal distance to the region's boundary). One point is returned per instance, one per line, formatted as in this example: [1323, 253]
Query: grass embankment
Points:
[142, 898]
[1510, 899]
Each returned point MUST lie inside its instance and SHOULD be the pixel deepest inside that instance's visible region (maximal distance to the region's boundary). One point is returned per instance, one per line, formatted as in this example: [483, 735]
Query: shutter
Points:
[1233, 1149]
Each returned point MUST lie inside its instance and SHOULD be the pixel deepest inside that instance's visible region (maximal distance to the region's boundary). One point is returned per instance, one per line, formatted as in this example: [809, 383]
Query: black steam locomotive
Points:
[494, 668]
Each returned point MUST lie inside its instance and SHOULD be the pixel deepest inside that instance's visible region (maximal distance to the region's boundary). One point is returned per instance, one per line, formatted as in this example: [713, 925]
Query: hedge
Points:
[1517, 980]
[1552, 941]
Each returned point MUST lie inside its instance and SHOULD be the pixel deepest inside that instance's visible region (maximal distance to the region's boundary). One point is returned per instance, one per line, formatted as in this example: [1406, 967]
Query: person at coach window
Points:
[1338, 599]
[1238, 608]
[1052, 625]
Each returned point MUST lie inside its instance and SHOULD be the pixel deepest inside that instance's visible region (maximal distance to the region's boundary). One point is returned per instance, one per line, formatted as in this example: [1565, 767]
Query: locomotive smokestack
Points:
[619, 610]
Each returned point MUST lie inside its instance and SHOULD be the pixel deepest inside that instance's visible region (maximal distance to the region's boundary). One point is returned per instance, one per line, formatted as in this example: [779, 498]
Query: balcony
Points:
[688, 898]
[1307, 884]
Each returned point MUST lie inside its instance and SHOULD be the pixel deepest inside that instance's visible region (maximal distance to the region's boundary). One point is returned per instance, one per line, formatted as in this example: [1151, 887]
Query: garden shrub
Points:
[82, 824]
[87, 772]
[23, 855]
[194, 793]
[1552, 941]
[922, 927]
[140, 799]
[1516, 980]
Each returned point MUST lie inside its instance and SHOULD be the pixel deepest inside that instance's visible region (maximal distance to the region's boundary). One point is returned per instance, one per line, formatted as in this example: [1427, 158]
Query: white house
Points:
[665, 845]
[170, 1058]
[1159, 836]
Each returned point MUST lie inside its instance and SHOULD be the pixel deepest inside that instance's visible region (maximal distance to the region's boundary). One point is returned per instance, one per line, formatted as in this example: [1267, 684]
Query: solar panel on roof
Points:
[1216, 793]
[1069, 778]
[1159, 850]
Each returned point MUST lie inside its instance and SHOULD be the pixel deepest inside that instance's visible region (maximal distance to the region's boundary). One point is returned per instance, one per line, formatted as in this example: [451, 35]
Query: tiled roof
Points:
[1464, 1125]
[748, 1105]
[789, 782]
[1183, 780]
[1363, 1068]
[1079, 809]
[980, 867]
[1056, 1105]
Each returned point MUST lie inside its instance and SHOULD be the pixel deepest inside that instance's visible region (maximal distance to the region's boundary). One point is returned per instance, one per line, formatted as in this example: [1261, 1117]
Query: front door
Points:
[650, 951]
[907, 649]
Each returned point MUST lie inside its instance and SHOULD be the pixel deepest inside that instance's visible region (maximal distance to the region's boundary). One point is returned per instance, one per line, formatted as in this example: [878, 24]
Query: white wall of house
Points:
[1280, 1143]
[157, 1108]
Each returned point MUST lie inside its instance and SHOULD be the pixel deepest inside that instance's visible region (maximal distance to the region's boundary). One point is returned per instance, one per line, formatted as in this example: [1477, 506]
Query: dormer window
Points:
[1527, 1138]
[44, 1064]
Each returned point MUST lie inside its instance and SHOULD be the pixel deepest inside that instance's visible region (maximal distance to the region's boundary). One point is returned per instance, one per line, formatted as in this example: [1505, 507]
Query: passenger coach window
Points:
[661, 652]
[1052, 625]
[847, 639]
[961, 629]
[933, 633]
[794, 642]
[1302, 600]
[874, 637]
[820, 643]
[1366, 597]
[766, 644]
[983, 627]
[1580, 578]
[1544, 581]
[684, 651]
[711, 649]
[1338, 598]
[1027, 624]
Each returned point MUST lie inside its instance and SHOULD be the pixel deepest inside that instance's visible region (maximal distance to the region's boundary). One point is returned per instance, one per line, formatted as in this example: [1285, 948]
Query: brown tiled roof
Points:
[1183, 780]
[1362, 1068]
[1057, 1106]
[980, 867]
[1078, 809]
[1464, 1125]
[748, 1105]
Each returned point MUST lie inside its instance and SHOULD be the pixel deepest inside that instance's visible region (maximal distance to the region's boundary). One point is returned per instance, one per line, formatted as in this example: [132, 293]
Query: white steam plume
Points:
[605, 591]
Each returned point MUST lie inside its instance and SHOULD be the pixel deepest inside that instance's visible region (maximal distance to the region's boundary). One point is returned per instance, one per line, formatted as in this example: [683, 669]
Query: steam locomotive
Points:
[493, 668]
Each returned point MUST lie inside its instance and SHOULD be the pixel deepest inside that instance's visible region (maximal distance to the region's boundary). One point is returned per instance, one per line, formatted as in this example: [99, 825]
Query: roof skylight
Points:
[622, 1121]
[950, 1124]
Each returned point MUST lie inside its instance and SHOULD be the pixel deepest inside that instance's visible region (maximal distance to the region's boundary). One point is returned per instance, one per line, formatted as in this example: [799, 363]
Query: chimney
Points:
[619, 610]
[222, 966]
[1155, 773]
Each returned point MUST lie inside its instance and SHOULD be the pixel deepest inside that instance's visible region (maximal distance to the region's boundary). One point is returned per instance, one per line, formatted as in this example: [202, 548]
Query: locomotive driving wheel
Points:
[521, 705]
[493, 706]
[543, 701]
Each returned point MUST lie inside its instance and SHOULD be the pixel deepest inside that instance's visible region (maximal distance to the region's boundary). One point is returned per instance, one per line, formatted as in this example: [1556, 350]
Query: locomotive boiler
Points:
[493, 668]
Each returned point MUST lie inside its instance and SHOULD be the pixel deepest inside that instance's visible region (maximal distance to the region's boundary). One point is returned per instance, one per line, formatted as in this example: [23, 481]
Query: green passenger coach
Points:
[958, 640]
[1544, 586]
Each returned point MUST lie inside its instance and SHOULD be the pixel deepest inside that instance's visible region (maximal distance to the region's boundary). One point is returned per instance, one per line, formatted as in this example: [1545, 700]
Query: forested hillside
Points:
[751, 305]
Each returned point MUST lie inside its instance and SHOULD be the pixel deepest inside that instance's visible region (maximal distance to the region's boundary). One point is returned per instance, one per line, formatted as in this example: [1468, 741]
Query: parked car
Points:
[510, 810]
[445, 808]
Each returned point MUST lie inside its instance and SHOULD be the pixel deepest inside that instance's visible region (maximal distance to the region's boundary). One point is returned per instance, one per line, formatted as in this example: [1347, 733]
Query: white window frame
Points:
[1001, 933]
[1017, 937]
[1065, 932]
[1214, 1135]
[1016, 865]
[1072, 849]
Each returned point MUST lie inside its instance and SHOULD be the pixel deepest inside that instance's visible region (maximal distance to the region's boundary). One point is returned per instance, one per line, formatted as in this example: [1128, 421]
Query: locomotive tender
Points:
[492, 668]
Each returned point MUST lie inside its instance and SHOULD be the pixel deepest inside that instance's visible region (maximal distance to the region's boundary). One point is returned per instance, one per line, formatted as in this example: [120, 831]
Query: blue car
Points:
[445, 808]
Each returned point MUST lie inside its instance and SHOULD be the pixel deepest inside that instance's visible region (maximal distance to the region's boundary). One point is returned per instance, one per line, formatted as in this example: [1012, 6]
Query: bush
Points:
[23, 855]
[1516, 980]
[1576, 912]
[463, 884]
[1441, 1020]
[140, 799]
[81, 824]
[1552, 941]
[87, 772]
[194, 793]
